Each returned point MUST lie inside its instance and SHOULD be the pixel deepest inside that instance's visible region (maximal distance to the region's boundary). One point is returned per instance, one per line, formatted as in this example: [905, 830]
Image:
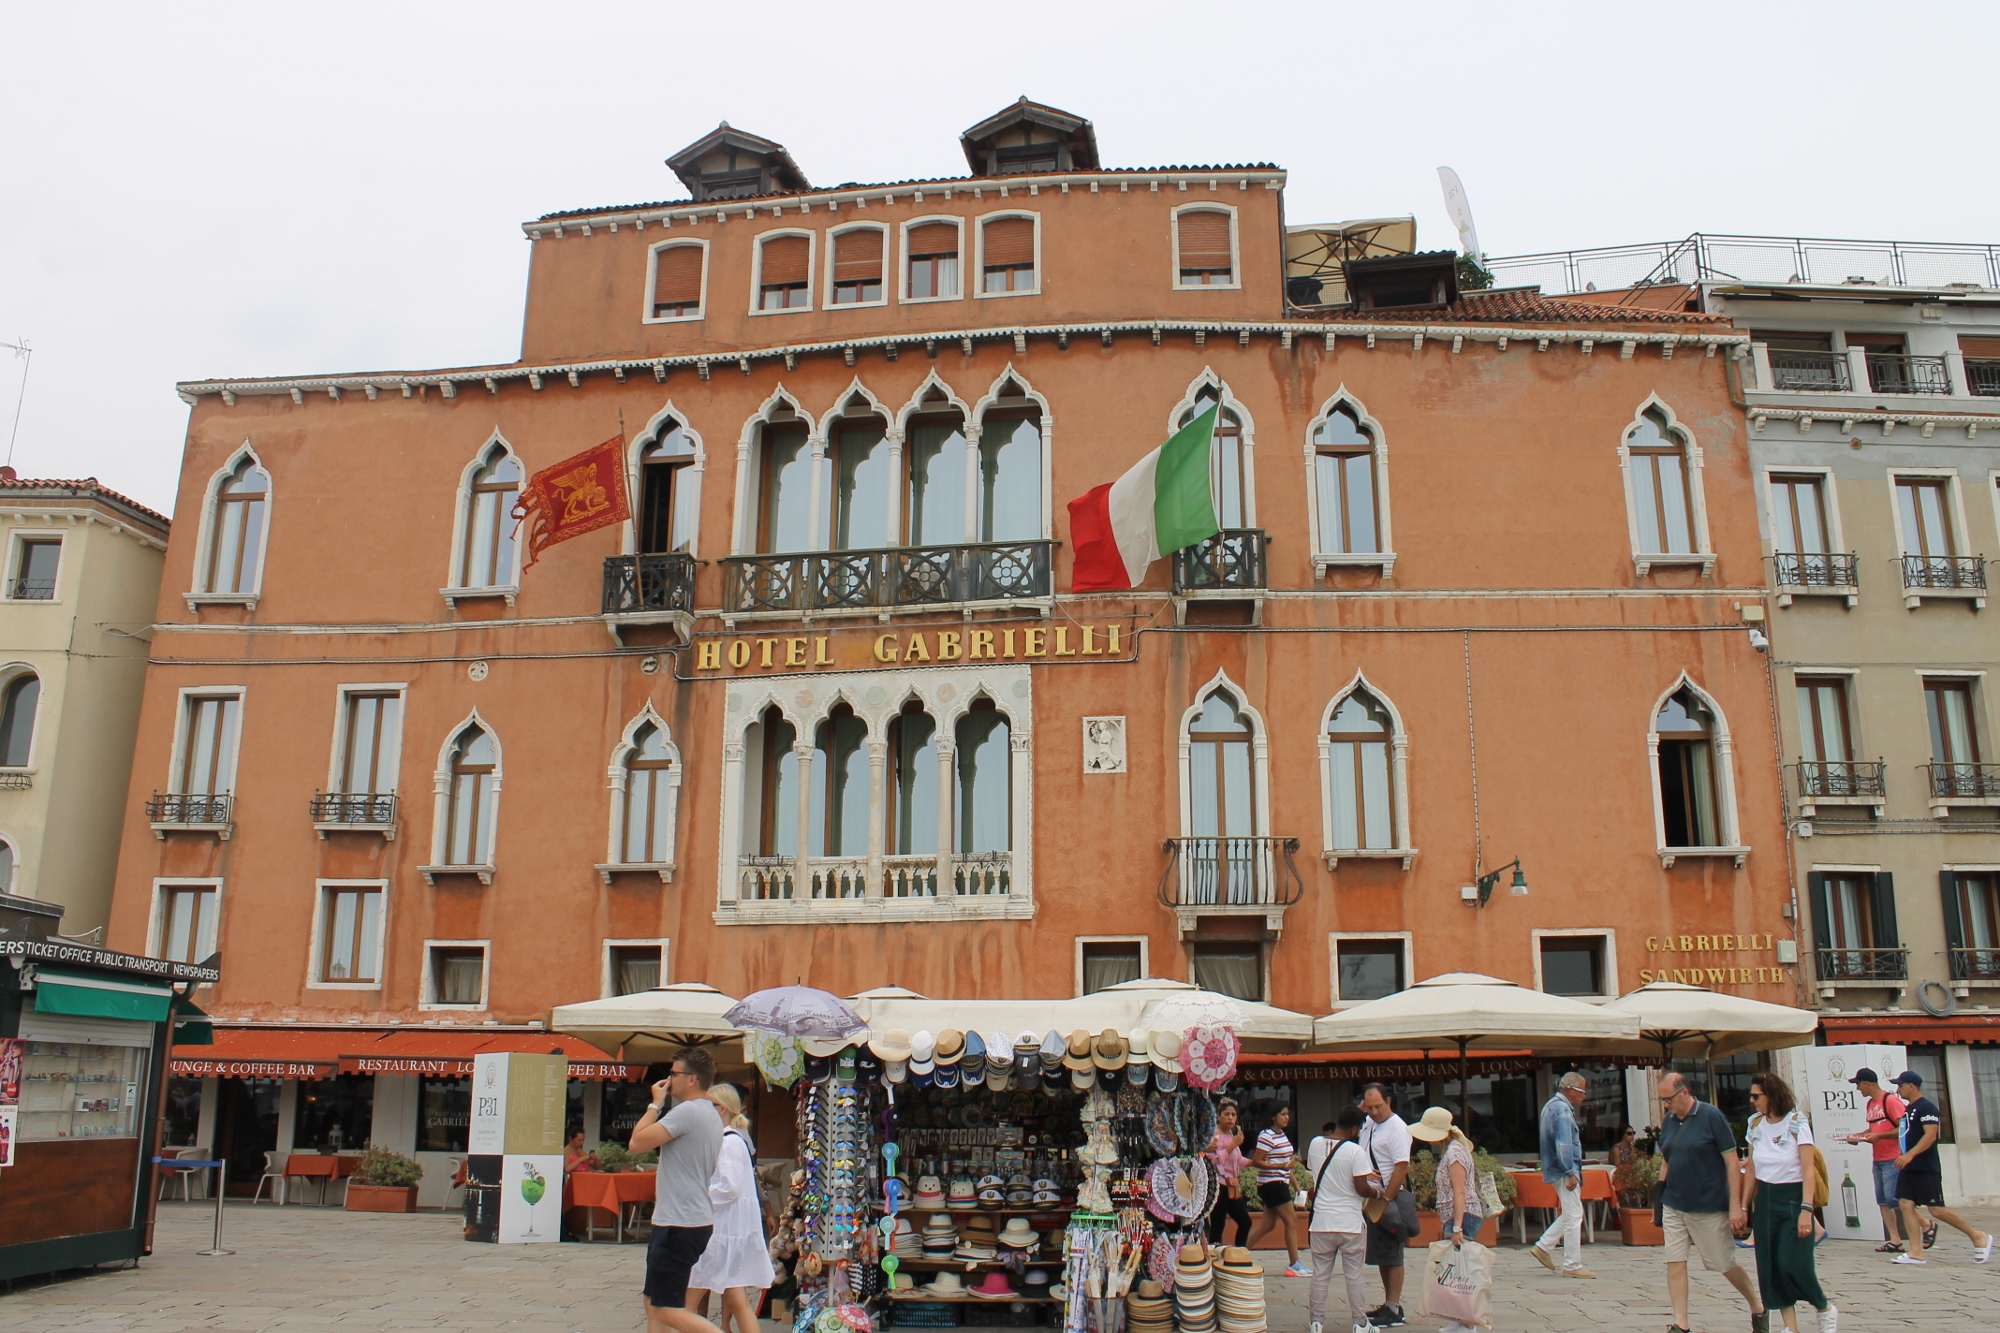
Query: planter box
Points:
[1636, 1226]
[1430, 1227]
[381, 1198]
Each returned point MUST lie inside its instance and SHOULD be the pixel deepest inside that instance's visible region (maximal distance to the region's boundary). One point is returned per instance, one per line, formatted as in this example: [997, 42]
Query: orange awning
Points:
[314, 1053]
[1911, 1030]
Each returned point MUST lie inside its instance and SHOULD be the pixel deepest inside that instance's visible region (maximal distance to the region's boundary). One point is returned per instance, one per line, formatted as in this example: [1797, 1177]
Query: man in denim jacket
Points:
[1562, 1166]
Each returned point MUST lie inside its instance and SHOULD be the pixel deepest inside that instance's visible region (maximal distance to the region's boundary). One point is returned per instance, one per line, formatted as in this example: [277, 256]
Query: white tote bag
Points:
[1458, 1283]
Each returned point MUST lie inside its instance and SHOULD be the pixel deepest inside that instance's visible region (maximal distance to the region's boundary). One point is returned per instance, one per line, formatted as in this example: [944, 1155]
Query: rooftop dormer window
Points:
[729, 163]
[1028, 138]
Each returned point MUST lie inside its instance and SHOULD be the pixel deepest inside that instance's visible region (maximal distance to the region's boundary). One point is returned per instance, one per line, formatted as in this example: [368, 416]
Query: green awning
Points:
[86, 996]
[191, 1025]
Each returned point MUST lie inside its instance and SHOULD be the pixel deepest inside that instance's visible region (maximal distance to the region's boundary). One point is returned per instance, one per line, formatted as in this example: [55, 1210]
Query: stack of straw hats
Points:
[940, 1237]
[1194, 1291]
[1149, 1309]
[1239, 1291]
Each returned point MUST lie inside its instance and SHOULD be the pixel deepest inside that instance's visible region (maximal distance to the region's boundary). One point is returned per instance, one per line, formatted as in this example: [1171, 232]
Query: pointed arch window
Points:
[1229, 463]
[912, 807]
[774, 831]
[1008, 500]
[1689, 800]
[784, 486]
[985, 787]
[487, 559]
[236, 546]
[648, 806]
[666, 491]
[863, 477]
[1344, 485]
[1660, 487]
[474, 772]
[7, 866]
[934, 456]
[838, 823]
[1358, 744]
[1221, 776]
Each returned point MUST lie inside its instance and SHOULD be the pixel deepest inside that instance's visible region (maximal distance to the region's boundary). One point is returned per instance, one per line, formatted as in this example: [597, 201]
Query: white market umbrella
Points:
[1176, 1006]
[654, 1021]
[1470, 1009]
[1697, 1022]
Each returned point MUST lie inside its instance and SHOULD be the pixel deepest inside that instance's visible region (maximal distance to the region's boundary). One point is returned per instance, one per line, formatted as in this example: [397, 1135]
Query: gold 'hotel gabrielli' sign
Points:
[852, 650]
[1703, 975]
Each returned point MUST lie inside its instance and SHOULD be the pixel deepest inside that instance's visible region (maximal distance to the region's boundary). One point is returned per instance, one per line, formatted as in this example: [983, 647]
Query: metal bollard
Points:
[221, 1189]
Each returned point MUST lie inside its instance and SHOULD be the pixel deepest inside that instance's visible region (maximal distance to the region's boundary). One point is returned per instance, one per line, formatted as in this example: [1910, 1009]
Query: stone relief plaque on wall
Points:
[1104, 745]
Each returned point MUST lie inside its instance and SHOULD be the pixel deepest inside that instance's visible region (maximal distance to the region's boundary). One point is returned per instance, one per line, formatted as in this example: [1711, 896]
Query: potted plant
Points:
[384, 1182]
[1633, 1183]
[616, 1158]
[1422, 1184]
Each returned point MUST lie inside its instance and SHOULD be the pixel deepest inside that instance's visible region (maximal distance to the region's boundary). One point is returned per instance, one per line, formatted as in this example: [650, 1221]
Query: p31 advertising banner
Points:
[1839, 1109]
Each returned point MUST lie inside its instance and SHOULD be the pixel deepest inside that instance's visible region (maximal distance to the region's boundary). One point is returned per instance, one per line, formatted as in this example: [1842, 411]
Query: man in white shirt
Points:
[1340, 1172]
[1386, 1139]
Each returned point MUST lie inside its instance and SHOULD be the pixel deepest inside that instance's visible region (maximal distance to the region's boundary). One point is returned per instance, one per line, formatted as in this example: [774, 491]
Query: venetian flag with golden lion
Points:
[580, 494]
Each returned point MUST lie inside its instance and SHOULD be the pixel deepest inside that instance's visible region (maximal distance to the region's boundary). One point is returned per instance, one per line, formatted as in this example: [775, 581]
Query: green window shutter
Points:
[84, 996]
[1822, 921]
[1882, 907]
[1954, 925]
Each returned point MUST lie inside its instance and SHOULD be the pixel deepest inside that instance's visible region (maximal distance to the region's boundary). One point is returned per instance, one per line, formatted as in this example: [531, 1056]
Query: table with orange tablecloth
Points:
[610, 1191]
[1531, 1191]
[320, 1167]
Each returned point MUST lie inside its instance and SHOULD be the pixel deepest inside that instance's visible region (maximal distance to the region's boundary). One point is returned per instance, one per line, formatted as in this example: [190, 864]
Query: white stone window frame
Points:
[200, 594]
[979, 291]
[1334, 939]
[607, 985]
[617, 778]
[20, 882]
[177, 760]
[1828, 988]
[821, 442]
[18, 539]
[335, 779]
[646, 315]
[1960, 536]
[461, 515]
[1993, 494]
[757, 269]
[1703, 555]
[156, 920]
[749, 467]
[441, 807]
[692, 474]
[11, 672]
[877, 698]
[1399, 781]
[1235, 282]
[1260, 805]
[833, 235]
[1836, 537]
[1144, 942]
[1610, 957]
[903, 296]
[1245, 424]
[426, 996]
[1809, 805]
[1975, 680]
[1964, 988]
[1323, 559]
[1722, 752]
[317, 942]
[976, 427]
[899, 433]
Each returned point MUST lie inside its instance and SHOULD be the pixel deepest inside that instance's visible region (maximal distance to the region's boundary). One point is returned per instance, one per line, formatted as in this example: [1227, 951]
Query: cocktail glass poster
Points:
[13, 1050]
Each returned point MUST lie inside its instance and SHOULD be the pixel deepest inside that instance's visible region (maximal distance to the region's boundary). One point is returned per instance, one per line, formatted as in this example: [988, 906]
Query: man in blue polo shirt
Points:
[1701, 1190]
[1920, 1175]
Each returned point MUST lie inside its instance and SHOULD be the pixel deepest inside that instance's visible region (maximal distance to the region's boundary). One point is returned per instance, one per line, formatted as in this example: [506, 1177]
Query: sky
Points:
[204, 190]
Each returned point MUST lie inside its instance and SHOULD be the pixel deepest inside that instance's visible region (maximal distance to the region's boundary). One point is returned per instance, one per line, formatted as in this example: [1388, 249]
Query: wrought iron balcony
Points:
[1893, 372]
[34, 590]
[1230, 872]
[1830, 779]
[1890, 964]
[195, 808]
[900, 576]
[1817, 569]
[1982, 376]
[1944, 571]
[364, 809]
[1965, 782]
[1821, 372]
[1975, 964]
[636, 584]
[1230, 561]
[16, 781]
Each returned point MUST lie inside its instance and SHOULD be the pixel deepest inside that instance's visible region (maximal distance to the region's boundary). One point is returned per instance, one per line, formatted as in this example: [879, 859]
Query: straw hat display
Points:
[1194, 1291]
[946, 1285]
[1149, 1309]
[1017, 1234]
[1239, 1291]
[1076, 1052]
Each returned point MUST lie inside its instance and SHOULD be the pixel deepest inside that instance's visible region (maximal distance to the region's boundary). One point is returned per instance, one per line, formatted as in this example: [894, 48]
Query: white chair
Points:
[274, 1172]
[454, 1192]
[171, 1178]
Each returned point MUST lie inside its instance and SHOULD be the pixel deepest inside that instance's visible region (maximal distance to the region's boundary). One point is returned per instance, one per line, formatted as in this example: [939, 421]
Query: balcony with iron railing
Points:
[1975, 964]
[1230, 562]
[1246, 875]
[354, 812]
[17, 781]
[1962, 576]
[1982, 376]
[1840, 782]
[890, 578]
[1895, 372]
[190, 812]
[34, 590]
[655, 588]
[1812, 372]
[1715, 257]
[1963, 784]
[1807, 573]
[1862, 966]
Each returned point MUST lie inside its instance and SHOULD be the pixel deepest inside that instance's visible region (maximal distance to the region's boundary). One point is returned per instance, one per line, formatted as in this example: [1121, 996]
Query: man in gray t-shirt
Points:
[689, 1137]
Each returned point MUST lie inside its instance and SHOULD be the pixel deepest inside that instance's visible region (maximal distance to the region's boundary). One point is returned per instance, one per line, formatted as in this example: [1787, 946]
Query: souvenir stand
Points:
[1017, 1177]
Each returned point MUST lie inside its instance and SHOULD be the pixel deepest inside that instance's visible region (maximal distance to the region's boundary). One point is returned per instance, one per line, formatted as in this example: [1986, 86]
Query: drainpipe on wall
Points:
[1799, 987]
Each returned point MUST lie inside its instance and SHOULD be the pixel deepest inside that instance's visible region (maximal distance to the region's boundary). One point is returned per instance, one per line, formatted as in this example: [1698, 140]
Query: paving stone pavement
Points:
[308, 1269]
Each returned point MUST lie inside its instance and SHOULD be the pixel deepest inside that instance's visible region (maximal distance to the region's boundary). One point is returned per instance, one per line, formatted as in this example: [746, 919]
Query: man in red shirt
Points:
[1885, 1113]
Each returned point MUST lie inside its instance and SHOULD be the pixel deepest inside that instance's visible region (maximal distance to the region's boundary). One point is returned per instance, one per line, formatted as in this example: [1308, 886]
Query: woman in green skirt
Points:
[1781, 1216]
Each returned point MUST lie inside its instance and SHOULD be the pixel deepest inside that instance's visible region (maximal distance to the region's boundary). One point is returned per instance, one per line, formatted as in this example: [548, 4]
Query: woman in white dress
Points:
[737, 1262]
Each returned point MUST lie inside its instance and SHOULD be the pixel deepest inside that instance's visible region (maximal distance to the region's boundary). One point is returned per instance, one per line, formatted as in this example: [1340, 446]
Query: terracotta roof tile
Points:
[86, 488]
[1521, 306]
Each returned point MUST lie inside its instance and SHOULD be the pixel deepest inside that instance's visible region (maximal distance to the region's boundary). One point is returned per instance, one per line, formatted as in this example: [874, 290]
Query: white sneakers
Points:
[1908, 1259]
[1315, 1327]
[1829, 1320]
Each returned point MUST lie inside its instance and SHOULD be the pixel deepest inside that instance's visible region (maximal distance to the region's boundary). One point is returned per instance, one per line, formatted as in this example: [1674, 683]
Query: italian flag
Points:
[1160, 506]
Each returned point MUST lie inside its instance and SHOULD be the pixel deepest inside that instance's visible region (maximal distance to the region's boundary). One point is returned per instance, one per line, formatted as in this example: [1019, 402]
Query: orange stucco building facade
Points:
[1484, 591]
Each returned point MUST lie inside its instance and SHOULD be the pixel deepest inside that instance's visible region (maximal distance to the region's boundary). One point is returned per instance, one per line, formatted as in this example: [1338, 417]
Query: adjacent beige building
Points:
[81, 576]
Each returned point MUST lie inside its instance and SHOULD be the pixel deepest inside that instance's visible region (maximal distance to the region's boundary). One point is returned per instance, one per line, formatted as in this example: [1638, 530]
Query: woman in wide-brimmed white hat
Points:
[1457, 1185]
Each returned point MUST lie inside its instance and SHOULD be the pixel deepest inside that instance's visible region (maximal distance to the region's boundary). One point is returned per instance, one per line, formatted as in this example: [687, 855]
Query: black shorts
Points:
[1923, 1188]
[1274, 1192]
[670, 1257]
[1387, 1238]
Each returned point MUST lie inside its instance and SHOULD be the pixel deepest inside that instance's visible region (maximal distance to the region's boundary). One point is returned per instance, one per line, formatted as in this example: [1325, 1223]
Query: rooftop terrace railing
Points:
[1710, 257]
